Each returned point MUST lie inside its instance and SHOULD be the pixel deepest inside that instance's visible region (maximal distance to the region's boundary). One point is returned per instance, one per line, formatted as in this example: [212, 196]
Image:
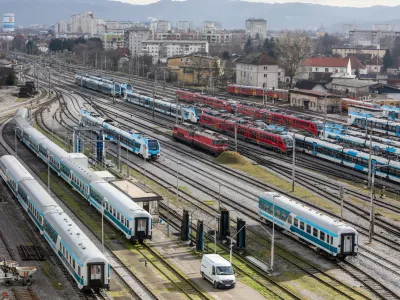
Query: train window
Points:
[73, 264]
[79, 270]
[308, 229]
[328, 238]
[283, 216]
[322, 236]
[277, 212]
[315, 232]
[301, 225]
[296, 222]
[331, 240]
[118, 216]
[289, 220]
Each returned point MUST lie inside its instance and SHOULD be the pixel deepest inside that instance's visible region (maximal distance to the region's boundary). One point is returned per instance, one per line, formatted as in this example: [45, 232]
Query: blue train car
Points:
[138, 143]
[383, 126]
[327, 234]
[98, 84]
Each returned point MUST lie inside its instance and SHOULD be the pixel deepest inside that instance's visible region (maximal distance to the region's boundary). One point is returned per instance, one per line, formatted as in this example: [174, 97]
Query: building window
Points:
[326, 69]
[265, 67]
[316, 69]
[310, 69]
[265, 75]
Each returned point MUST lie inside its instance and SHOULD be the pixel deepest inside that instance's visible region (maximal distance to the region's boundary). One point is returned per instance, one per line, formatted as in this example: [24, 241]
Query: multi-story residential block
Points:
[134, 38]
[256, 28]
[346, 51]
[384, 27]
[113, 41]
[184, 26]
[210, 26]
[217, 37]
[349, 27]
[62, 27]
[370, 37]
[112, 25]
[258, 69]
[85, 23]
[160, 26]
[162, 50]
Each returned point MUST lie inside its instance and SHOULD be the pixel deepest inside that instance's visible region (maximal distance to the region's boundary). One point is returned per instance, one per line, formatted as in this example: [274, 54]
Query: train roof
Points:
[53, 148]
[390, 108]
[305, 213]
[43, 201]
[119, 200]
[17, 170]
[22, 112]
[374, 119]
[82, 172]
[75, 239]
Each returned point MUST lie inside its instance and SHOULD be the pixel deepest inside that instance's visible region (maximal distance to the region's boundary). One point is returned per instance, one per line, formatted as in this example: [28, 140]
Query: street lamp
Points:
[103, 202]
[371, 215]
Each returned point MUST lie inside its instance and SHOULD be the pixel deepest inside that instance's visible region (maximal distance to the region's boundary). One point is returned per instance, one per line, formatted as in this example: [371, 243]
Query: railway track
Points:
[22, 293]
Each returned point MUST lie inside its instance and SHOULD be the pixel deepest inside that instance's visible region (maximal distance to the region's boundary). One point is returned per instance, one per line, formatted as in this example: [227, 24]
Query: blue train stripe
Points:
[314, 239]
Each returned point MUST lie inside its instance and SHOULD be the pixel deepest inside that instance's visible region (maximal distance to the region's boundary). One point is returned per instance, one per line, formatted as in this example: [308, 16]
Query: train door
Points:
[141, 227]
[315, 149]
[96, 275]
[397, 130]
[347, 242]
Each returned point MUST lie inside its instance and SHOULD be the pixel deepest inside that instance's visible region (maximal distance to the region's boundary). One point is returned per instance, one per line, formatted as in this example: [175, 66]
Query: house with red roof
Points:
[375, 65]
[333, 65]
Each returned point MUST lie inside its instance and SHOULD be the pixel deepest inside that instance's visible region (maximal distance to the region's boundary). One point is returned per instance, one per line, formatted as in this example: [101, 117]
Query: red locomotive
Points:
[247, 132]
[243, 90]
[203, 139]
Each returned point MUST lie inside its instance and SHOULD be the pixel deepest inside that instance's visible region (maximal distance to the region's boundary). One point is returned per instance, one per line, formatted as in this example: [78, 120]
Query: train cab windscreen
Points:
[153, 145]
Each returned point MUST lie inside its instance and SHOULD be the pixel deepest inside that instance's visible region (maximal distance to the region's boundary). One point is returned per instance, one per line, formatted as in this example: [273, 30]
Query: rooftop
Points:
[333, 62]
[351, 83]
[314, 93]
[174, 42]
[259, 58]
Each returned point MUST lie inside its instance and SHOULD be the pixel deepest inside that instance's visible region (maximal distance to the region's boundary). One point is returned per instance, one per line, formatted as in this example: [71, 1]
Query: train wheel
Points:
[27, 281]
[140, 241]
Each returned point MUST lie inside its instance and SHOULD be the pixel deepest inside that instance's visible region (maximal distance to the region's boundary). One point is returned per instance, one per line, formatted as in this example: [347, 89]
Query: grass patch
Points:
[238, 162]
[378, 210]
[185, 189]
[48, 271]
[209, 202]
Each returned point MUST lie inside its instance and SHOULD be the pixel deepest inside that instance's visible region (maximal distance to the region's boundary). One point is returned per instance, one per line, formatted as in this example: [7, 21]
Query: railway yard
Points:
[179, 188]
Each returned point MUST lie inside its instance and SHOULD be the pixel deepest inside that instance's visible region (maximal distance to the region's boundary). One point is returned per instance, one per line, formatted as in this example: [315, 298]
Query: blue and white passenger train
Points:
[327, 234]
[82, 259]
[341, 136]
[391, 112]
[354, 159]
[98, 84]
[186, 113]
[137, 143]
[128, 217]
[382, 126]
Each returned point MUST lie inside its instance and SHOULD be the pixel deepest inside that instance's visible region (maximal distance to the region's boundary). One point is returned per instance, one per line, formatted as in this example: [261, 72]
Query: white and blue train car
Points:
[102, 86]
[165, 107]
[341, 136]
[137, 143]
[350, 158]
[82, 259]
[325, 233]
[128, 217]
[382, 126]
[391, 112]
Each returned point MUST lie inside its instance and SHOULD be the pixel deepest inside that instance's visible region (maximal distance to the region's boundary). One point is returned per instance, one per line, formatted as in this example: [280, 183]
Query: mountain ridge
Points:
[232, 14]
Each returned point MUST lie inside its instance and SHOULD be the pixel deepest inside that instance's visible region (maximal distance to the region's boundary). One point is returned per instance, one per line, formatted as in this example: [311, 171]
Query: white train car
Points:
[325, 233]
[82, 259]
[128, 217]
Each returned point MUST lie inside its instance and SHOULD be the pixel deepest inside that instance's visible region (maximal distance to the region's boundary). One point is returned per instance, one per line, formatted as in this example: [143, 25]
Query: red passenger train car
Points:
[243, 90]
[214, 102]
[204, 139]
[247, 132]
[268, 116]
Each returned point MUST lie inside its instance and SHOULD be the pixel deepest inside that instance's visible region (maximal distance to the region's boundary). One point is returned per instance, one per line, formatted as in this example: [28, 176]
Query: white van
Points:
[218, 271]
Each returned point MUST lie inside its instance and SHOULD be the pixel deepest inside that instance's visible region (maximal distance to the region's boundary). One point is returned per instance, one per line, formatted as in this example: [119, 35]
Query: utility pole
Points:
[370, 151]
[326, 110]
[154, 90]
[341, 195]
[49, 81]
[176, 110]
[371, 215]
[95, 64]
[236, 141]
[294, 161]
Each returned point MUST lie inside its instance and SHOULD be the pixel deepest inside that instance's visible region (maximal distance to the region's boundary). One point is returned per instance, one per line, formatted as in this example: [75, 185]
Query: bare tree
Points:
[200, 65]
[293, 48]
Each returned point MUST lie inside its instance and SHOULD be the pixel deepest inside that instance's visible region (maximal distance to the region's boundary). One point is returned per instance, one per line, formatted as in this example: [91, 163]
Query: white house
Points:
[375, 65]
[332, 65]
[258, 69]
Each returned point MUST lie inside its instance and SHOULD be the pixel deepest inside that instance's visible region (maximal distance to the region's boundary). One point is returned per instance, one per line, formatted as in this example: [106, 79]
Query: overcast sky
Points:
[356, 3]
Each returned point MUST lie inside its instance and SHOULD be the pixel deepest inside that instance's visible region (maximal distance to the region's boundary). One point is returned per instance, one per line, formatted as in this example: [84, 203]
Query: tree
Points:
[199, 65]
[32, 48]
[225, 55]
[270, 47]
[293, 48]
[11, 79]
[325, 44]
[248, 47]
[19, 42]
[387, 60]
